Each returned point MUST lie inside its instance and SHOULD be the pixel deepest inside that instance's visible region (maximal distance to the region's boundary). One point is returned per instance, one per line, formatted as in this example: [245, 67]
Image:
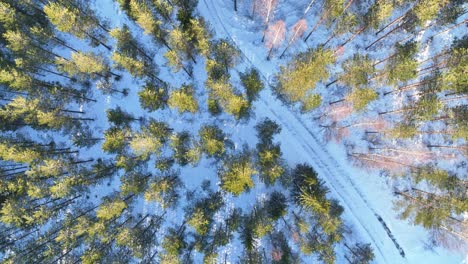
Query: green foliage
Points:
[335, 9]
[173, 244]
[379, 12]
[83, 64]
[199, 222]
[357, 71]
[360, 98]
[455, 78]
[141, 12]
[430, 210]
[403, 130]
[225, 53]
[237, 172]
[402, 66]
[269, 154]
[204, 209]
[296, 80]
[361, 253]
[164, 190]
[114, 140]
[119, 117]
[111, 209]
[134, 67]
[144, 144]
[173, 60]
[270, 164]
[308, 190]
[427, 107]
[436, 177]
[185, 149]
[266, 129]
[153, 97]
[212, 141]
[252, 83]
[183, 100]
[232, 103]
[311, 102]
[426, 10]
[276, 205]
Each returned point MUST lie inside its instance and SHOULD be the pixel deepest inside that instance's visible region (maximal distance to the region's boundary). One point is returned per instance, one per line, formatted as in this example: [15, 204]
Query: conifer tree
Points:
[131, 56]
[185, 148]
[360, 253]
[144, 144]
[153, 96]
[183, 100]
[225, 53]
[269, 154]
[252, 83]
[71, 19]
[119, 117]
[402, 66]
[237, 172]
[114, 140]
[296, 80]
[164, 190]
[212, 141]
[83, 65]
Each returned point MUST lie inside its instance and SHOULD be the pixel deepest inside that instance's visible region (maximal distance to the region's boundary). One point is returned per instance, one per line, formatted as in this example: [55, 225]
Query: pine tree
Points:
[311, 102]
[114, 140]
[269, 160]
[212, 141]
[119, 117]
[403, 130]
[144, 144]
[379, 12]
[83, 65]
[164, 190]
[224, 52]
[308, 190]
[252, 83]
[82, 24]
[360, 98]
[266, 129]
[295, 81]
[360, 253]
[237, 172]
[231, 102]
[153, 97]
[455, 78]
[276, 205]
[110, 209]
[185, 148]
[357, 72]
[402, 66]
[183, 100]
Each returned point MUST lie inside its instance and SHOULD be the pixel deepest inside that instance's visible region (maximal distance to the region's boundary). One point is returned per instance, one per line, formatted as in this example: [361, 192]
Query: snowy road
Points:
[298, 138]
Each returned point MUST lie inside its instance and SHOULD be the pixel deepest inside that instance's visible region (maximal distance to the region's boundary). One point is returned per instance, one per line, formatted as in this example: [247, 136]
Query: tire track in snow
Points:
[323, 160]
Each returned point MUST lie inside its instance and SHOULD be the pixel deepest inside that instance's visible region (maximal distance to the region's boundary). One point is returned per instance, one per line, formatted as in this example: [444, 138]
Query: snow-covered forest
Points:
[233, 131]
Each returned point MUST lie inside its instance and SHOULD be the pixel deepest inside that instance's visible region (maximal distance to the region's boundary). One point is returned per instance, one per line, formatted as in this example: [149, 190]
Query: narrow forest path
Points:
[299, 138]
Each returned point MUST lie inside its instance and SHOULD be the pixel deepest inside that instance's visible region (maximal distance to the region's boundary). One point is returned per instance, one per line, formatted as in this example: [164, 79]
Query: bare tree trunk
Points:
[323, 17]
[354, 36]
